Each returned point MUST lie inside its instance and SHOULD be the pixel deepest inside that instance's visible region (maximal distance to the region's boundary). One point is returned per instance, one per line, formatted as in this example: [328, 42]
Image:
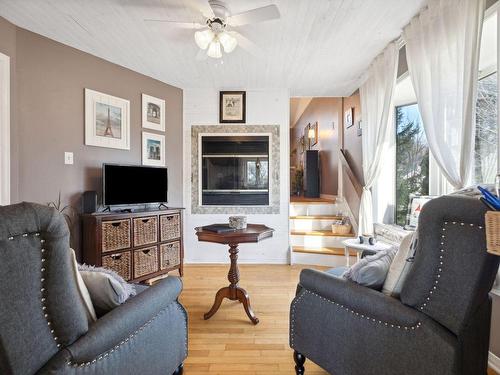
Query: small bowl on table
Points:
[238, 222]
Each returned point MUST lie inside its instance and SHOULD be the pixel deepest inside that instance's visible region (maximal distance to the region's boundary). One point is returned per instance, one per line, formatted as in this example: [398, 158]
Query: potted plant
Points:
[298, 181]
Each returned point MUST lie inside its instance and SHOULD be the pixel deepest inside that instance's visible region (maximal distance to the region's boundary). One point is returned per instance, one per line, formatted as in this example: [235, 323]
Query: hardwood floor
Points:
[229, 343]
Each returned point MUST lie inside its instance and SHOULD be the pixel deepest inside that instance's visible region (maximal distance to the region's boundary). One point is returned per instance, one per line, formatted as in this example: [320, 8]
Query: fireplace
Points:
[234, 170]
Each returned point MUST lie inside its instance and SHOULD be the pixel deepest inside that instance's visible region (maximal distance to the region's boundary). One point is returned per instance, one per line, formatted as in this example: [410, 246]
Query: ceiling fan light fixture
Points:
[228, 41]
[204, 38]
[214, 51]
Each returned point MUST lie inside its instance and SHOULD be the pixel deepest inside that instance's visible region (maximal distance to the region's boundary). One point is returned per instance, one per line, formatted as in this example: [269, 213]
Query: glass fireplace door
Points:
[235, 170]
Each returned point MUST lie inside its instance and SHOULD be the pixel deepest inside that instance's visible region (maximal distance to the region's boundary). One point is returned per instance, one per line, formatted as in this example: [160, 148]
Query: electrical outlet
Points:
[68, 158]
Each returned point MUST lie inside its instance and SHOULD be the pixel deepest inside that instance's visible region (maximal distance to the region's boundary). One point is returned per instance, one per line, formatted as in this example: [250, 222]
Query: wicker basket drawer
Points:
[145, 230]
[119, 262]
[170, 227]
[170, 255]
[492, 221]
[145, 261]
[115, 235]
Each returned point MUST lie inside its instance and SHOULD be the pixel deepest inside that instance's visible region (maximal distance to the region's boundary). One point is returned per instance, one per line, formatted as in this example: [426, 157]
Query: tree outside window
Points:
[486, 141]
[412, 159]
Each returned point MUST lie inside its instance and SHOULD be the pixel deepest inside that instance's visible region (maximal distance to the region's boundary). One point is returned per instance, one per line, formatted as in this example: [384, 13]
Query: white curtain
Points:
[376, 103]
[442, 49]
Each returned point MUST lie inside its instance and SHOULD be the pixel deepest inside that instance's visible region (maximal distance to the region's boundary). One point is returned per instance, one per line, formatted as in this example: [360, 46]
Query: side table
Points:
[355, 245]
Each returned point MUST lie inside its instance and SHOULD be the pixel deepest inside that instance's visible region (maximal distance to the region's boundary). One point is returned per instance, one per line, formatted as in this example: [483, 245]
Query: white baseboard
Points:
[494, 362]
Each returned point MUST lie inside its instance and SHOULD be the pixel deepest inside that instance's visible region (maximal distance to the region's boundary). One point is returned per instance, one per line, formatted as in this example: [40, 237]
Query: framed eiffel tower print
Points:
[107, 120]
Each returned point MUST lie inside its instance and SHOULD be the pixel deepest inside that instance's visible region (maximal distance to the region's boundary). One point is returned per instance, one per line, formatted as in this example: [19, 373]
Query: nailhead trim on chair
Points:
[185, 326]
[360, 315]
[442, 250]
[43, 289]
[123, 342]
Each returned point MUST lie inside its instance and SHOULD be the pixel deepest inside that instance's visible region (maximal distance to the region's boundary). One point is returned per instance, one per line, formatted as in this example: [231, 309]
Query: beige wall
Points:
[325, 111]
[352, 142]
[50, 79]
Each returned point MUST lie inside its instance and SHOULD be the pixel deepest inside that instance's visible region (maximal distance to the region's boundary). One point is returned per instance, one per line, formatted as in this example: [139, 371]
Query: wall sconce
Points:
[312, 134]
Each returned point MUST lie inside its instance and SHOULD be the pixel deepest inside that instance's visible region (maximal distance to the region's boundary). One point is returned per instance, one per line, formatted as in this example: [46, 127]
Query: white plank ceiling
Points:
[317, 48]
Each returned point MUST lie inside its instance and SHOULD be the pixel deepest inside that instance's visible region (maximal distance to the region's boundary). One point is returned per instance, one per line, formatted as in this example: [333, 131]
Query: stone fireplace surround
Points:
[274, 167]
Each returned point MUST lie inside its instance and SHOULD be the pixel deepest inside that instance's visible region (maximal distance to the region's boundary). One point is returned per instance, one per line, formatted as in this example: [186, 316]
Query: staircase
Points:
[312, 240]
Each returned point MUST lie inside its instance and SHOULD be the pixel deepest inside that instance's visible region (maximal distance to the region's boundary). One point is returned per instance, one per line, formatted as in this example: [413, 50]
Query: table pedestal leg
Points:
[233, 292]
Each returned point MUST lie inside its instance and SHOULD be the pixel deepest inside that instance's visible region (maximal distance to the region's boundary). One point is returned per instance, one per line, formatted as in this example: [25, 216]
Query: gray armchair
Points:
[441, 324]
[43, 325]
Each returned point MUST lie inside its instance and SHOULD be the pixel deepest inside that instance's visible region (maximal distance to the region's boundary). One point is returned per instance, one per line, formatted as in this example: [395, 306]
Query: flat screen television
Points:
[130, 185]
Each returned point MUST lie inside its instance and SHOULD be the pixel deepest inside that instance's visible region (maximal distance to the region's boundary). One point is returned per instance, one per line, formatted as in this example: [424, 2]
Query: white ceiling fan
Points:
[215, 36]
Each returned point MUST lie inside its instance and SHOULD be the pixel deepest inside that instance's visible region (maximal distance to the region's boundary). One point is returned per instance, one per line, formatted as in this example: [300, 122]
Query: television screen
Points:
[128, 185]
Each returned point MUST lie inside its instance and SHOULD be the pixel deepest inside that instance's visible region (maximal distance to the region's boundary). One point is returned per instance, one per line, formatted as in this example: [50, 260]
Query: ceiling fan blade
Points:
[182, 25]
[248, 45]
[202, 6]
[266, 13]
[201, 55]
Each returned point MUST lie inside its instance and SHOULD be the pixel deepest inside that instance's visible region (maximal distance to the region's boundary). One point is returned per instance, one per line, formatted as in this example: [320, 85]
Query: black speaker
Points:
[89, 202]
[311, 174]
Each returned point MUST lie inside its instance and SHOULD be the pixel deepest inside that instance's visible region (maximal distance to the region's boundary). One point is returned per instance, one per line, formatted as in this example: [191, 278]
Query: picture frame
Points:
[415, 205]
[107, 120]
[153, 149]
[312, 134]
[232, 107]
[349, 118]
[153, 113]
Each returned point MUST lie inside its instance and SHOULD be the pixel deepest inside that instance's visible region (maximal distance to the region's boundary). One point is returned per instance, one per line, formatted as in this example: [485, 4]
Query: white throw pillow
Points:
[106, 288]
[399, 267]
[83, 291]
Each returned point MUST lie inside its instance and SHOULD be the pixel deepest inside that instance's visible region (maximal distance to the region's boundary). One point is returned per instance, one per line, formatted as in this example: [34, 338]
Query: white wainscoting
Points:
[4, 129]
[264, 107]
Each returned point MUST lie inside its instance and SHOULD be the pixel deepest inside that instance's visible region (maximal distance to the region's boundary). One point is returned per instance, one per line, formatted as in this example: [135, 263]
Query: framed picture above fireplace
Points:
[232, 107]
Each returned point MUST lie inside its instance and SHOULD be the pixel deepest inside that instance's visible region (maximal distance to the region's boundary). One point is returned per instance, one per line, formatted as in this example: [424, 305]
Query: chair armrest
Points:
[358, 299]
[125, 320]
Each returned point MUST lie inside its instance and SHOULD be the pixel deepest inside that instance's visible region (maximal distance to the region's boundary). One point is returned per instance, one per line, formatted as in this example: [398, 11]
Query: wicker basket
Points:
[169, 255]
[341, 229]
[170, 227]
[145, 261]
[120, 263]
[115, 235]
[492, 219]
[145, 230]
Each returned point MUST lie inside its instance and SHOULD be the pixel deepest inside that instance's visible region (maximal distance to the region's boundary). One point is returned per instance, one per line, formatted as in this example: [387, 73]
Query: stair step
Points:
[302, 200]
[321, 250]
[320, 233]
[316, 217]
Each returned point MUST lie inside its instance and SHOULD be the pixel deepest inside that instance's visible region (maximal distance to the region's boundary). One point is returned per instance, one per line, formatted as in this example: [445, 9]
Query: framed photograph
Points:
[414, 207]
[107, 120]
[232, 107]
[153, 113]
[153, 149]
[349, 118]
[312, 134]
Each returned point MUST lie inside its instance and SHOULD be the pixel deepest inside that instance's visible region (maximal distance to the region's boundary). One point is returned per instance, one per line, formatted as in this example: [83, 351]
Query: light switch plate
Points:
[68, 158]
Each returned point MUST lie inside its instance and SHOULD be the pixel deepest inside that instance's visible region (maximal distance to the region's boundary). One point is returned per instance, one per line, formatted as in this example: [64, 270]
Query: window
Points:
[412, 159]
[486, 142]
